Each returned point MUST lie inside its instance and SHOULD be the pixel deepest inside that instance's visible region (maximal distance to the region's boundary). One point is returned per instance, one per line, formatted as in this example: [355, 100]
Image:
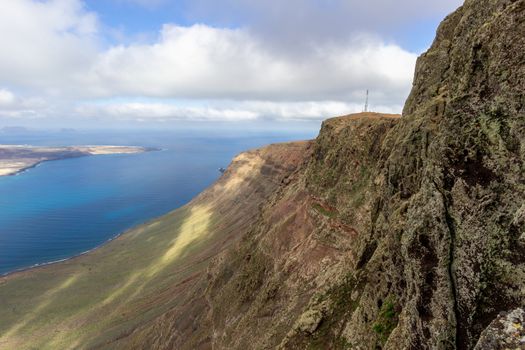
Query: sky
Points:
[159, 63]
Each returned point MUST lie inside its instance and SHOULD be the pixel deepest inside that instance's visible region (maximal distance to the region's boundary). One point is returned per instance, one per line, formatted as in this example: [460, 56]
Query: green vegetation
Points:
[323, 211]
[342, 306]
[358, 192]
[111, 285]
[386, 321]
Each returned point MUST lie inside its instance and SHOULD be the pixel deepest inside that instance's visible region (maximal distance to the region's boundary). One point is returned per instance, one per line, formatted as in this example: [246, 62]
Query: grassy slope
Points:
[106, 294]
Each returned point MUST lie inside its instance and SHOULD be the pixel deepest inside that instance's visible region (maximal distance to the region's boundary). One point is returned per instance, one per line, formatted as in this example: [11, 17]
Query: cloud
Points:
[221, 111]
[308, 19]
[45, 45]
[297, 59]
[205, 62]
[7, 98]
[294, 22]
[12, 106]
[195, 62]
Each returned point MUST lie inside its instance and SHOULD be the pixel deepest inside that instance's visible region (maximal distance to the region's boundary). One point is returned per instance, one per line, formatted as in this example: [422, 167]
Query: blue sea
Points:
[63, 208]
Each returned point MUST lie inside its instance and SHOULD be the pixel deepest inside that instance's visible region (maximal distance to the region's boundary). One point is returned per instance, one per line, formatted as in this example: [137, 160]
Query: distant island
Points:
[17, 158]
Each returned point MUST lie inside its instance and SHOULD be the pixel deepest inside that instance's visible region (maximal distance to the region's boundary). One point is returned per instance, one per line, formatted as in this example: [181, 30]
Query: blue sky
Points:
[137, 20]
[162, 62]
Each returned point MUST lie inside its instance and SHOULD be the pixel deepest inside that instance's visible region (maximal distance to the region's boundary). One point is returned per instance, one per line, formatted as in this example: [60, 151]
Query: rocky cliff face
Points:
[293, 278]
[397, 233]
[455, 180]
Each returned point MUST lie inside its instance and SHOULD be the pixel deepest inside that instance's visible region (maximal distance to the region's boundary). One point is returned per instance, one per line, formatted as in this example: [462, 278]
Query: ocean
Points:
[64, 208]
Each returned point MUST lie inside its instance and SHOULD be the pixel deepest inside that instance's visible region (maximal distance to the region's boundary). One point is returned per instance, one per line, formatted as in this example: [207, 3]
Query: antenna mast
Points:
[366, 102]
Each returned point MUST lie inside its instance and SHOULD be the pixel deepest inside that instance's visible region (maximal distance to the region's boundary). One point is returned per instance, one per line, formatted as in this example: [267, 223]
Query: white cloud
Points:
[12, 106]
[204, 62]
[240, 111]
[45, 45]
[7, 98]
[52, 50]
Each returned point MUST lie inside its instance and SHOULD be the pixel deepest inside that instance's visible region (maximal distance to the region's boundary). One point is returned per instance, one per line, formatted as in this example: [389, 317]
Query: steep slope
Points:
[94, 299]
[300, 249]
[405, 236]
[455, 181]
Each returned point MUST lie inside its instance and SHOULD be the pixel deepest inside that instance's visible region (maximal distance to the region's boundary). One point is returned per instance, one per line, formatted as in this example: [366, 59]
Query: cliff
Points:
[399, 234]
[292, 266]
[383, 233]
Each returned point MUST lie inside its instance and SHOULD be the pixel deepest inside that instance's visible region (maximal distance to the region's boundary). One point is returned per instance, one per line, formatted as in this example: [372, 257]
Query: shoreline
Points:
[53, 262]
[130, 150]
[15, 166]
[24, 169]
[6, 275]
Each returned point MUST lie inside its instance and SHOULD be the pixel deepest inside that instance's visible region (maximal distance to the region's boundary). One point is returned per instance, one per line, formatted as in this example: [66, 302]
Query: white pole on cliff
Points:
[366, 102]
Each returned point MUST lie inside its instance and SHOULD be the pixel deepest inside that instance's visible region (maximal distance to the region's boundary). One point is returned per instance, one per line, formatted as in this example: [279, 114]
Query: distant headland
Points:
[17, 158]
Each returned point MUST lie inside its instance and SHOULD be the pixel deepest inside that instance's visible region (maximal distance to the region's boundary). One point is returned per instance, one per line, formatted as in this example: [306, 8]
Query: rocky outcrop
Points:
[455, 180]
[507, 331]
[445, 245]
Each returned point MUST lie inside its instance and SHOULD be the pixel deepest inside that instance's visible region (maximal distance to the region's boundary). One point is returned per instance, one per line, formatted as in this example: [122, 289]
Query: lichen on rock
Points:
[507, 331]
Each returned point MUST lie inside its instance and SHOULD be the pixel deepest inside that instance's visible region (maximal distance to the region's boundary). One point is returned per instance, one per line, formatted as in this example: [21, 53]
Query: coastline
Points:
[127, 150]
[19, 271]
[6, 275]
[31, 156]
[22, 270]
[23, 169]
[162, 256]
[53, 262]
